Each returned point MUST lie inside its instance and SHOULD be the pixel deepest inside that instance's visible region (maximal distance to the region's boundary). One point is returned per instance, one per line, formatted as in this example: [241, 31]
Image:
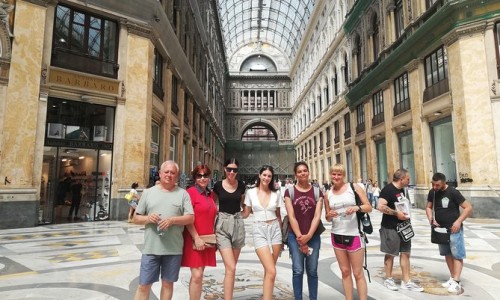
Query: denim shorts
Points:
[456, 247]
[266, 234]
[152, 264]
[355, 246]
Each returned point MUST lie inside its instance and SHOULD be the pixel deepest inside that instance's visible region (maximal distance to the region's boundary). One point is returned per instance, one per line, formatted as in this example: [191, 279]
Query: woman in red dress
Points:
[196, 254]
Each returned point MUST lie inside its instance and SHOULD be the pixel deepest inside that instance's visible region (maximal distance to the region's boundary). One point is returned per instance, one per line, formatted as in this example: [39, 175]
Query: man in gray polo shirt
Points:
[164, 209]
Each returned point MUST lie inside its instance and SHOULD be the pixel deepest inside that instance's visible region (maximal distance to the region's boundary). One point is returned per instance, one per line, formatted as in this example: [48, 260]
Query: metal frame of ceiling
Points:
[280, 23]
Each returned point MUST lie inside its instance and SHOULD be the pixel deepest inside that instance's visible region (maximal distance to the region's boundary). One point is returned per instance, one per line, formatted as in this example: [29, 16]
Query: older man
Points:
[164, 209]
[446, 201]
[390, 242]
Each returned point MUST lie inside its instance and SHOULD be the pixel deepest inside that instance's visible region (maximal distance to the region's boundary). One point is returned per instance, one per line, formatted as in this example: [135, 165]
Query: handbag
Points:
[405, 230]
[321, 228]
[439, 235]
[209, 240]
[129, 196]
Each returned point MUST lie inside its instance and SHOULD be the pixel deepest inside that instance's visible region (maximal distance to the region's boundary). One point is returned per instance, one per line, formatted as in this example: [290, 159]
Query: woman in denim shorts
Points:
[340, 209]
[264, 201]
[230, 228]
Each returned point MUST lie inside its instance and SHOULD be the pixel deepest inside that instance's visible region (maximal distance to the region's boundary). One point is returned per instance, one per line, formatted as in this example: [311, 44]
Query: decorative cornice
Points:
[413, 65]
[471, 29]
[43, 3]
[140, 30]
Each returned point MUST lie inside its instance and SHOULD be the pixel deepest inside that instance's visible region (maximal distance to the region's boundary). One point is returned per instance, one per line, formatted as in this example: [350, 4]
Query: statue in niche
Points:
[5, 10]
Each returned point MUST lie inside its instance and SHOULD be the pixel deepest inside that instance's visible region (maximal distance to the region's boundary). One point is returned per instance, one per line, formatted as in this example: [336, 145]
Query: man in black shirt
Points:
[446, 202]
[390, 242]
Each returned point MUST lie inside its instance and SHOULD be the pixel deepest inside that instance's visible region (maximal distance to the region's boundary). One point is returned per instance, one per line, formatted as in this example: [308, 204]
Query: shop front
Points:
[77, 160]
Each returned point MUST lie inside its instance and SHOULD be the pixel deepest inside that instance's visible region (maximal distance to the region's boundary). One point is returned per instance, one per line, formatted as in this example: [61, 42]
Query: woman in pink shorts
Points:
[340, 209]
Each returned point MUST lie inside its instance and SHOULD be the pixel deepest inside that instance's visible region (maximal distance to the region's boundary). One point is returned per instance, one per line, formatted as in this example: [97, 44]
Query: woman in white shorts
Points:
[264, 201]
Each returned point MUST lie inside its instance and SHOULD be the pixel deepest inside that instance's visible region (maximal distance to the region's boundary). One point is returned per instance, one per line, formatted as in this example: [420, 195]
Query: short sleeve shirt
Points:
[229, 202]
[263, 213]
[169, 204]
[304, 207]
[392, 195]
[446, 216]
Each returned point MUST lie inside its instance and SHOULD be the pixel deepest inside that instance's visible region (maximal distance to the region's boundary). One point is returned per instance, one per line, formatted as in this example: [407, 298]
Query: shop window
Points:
[382, 172]
[378, 108]
[406, 153]
[173, 143]
[443, 149]
[348, 166]
[154, 157]
[401, 94]
[73, 120]
[85, 42]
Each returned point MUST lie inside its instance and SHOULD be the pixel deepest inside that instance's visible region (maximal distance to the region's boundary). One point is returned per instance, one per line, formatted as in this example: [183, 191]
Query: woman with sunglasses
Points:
[230, 228]
[304, 215]
[196, 254]
[264, 201]
[340, 209]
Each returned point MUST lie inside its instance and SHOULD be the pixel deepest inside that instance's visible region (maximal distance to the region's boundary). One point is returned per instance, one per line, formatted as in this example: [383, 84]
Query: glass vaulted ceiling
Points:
[277, 22]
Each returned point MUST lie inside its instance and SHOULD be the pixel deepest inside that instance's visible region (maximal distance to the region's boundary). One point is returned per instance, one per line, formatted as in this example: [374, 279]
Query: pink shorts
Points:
[351, 244]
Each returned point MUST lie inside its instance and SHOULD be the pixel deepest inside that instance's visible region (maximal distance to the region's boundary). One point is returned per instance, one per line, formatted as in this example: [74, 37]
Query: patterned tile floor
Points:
[100, 260]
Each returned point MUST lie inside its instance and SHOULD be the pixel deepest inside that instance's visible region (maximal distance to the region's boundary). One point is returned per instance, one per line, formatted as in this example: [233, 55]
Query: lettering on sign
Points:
[84, 82]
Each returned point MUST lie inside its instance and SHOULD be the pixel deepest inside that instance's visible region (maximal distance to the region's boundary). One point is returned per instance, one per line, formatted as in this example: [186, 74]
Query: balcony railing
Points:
[435, 90]
[80, 62]
[377, 119]
[402, 106]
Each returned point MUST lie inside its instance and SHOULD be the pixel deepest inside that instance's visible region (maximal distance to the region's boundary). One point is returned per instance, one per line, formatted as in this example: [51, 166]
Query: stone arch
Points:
[5, 45]
[259, 121]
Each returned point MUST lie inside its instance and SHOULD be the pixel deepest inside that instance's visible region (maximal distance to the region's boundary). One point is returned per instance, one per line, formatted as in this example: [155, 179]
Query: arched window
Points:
[375, 37]
[259, 132]
[358, 55]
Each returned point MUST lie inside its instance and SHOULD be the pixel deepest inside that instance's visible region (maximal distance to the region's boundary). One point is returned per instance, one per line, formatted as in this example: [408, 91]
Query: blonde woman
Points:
[340, 209]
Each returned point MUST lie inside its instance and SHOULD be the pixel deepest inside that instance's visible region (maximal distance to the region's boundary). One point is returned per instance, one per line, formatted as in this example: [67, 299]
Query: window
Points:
[436, 74]
[399, 21]
[259, 133]
[347, 126]
[360, 118]
[335, 83]
[357, 53]
[328, 133]
[346, 70]
[158, 75]
[321, 140]
[175, 107]
[430, 3]
[327, 96]
[375, 37]
[310, 147]
[401, 94]
[84, 42]
[336, 126]
[378, 108]
[154, 156]
[497, 42]
[173, 142]
[315, 145]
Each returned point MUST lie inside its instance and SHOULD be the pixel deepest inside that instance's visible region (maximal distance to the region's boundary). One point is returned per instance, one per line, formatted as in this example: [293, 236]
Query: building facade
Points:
[402, 84]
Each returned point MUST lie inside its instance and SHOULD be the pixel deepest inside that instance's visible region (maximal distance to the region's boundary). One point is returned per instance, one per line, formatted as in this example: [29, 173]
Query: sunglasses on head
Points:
[200, 176]
[234, 170]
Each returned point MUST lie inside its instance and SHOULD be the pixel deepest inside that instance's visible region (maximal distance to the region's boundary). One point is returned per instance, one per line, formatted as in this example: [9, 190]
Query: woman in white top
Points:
[341, 208]
[264, 202]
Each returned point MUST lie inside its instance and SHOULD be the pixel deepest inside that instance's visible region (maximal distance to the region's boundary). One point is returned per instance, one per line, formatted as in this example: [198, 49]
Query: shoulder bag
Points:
[439, 235]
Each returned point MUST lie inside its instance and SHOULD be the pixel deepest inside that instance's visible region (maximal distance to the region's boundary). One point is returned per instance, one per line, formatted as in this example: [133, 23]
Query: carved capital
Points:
[140, 30]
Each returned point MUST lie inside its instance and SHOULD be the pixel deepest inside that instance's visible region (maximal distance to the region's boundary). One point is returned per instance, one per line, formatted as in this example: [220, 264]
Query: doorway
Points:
[76, 181]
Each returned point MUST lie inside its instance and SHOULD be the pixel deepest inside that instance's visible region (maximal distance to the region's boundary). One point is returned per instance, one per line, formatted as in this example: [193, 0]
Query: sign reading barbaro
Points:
[80, 81]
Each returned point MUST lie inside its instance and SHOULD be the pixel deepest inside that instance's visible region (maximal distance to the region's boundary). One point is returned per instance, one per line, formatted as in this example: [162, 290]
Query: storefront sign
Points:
[61, 77]
[78, 144]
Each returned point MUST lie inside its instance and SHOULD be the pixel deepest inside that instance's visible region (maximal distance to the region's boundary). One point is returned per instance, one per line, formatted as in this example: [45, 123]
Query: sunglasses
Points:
[200, 176]
[234, 170]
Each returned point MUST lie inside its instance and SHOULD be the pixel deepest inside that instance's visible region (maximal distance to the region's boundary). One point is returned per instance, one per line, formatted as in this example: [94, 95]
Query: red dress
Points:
[205, 212]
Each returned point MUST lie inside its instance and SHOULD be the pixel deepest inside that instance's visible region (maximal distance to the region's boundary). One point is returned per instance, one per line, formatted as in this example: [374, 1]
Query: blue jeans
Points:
[456, 247]
[311, 264]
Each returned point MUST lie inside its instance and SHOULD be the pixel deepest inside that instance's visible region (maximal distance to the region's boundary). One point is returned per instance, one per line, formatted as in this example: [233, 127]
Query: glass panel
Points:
[407, 158]
[444, 150]
[383, 176]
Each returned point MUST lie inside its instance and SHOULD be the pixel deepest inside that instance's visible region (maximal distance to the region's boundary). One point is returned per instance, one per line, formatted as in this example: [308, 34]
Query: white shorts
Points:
[265, 234]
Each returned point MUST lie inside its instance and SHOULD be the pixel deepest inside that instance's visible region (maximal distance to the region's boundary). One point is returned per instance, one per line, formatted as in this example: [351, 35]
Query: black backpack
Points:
[364, 226]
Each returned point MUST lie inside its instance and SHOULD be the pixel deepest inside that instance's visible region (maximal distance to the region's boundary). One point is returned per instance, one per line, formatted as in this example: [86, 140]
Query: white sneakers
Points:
[411, 286]
[390, 284]
[452, 286]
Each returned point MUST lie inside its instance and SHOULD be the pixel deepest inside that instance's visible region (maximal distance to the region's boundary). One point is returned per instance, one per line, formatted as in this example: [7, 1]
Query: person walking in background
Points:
[446, 202]
[369, 190]
[164, 209]
[134, 200]
[340, 209]
[230, 228]
[376, 194]
[390, 242]
[304, 214]
[76, 198]
[196, 254]
[265, 201]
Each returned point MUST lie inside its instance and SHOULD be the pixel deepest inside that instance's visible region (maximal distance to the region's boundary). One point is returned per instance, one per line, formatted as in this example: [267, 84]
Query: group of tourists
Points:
[186, 228]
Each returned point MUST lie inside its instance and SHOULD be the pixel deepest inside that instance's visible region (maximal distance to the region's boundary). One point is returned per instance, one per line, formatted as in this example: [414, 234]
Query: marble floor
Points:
[100, 260]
